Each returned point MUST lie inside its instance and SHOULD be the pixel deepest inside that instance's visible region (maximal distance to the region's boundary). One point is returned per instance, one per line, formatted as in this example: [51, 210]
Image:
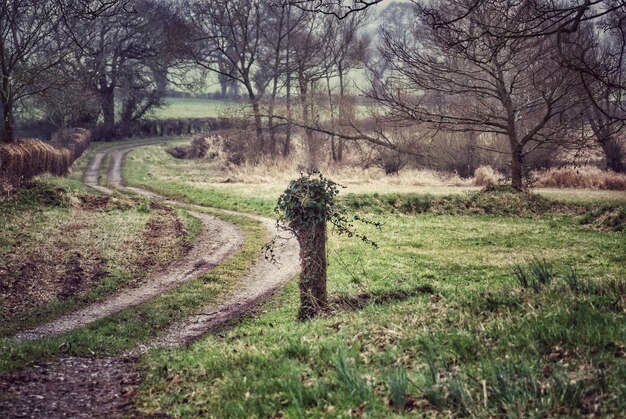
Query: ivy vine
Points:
[310, 200]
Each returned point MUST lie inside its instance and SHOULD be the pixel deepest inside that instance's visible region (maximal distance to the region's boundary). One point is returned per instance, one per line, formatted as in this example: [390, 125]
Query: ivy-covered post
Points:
[313, 297]
[305, 207]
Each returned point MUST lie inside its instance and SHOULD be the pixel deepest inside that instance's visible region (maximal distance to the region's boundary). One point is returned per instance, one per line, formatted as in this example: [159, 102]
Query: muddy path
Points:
[262, 281]
[105, 387]
[217, 241]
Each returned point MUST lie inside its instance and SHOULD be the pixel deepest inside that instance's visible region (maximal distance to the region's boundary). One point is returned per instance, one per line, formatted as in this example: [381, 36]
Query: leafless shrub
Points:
[178, 152]
[198, 148]
[238, 147]
[391, 161]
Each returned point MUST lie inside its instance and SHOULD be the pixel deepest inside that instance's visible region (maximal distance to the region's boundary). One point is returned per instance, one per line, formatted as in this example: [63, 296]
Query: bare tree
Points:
[459, 77]
[27, 51]
[338, 8]
[349, 50]
[597, 54]
[589, 36]
[227, 40]
[117, 56]
[312, 61]
[280, 22]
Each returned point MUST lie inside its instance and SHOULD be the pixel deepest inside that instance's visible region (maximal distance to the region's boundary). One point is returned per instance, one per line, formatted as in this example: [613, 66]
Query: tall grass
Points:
[588, 177]
[25, 159]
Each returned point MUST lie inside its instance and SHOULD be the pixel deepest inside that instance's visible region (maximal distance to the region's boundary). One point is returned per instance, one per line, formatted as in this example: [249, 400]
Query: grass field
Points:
[155, 168]
[433, 322]
[175, 108]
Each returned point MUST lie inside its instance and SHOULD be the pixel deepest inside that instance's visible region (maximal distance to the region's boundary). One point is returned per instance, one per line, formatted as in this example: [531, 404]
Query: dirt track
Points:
[103, 387]
[217, 242]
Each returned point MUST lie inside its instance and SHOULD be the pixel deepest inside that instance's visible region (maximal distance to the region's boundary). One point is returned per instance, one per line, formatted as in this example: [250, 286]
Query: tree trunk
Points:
[287, 143]
[313, 300]
[517, 165]
[107, 103]
[8, 126]
[223, 80]
[275, 77]
[333, 149]
[342, 111]
[614, 156]
[258, 123]
[306, 118]
[8, 132]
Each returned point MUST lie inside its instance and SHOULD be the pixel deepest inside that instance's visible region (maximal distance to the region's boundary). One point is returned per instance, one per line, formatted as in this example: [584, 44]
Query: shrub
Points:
[25, 159]
[77, 140]
[196, 150]
[485, 175]
[199, 147]
[168, 127]
[391, 161]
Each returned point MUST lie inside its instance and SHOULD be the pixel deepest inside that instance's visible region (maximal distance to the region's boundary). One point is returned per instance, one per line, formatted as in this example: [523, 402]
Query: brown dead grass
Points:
[588, 177]
[283, 170]
[280, 170]
[485, 176]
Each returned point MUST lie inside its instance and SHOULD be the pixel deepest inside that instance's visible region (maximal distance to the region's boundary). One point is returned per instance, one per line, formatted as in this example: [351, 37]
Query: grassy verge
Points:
[154, 169]
[46, 234]
[127, 329]
[193, 226]
[55, 229]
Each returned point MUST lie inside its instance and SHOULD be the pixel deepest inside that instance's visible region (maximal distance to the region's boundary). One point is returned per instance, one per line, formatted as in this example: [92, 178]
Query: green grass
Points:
[193, 226]
[154, 169]
[477, 324]
[434, 321]
[175, 108]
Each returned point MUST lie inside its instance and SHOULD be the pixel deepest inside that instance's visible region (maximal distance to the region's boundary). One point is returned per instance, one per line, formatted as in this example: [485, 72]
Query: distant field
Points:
[204, 176]
[205, 108]
[195, 108]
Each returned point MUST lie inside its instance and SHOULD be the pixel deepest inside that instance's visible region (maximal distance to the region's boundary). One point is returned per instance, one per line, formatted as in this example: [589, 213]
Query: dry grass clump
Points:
[485, 176]
[273, 170]
[27, 158]
[588, 177]
[77, 140]
[196, 150]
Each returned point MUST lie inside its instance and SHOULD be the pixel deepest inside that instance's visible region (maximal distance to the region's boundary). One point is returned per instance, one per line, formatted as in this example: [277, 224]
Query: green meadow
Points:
[511, 308]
